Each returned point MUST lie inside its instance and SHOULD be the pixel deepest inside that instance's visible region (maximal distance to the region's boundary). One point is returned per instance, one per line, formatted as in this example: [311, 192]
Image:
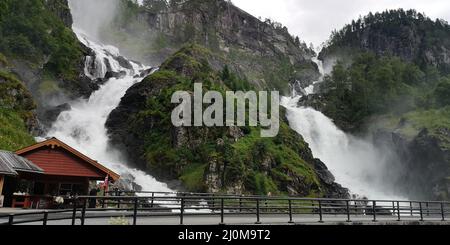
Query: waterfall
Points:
[83, 127]
[356, 163]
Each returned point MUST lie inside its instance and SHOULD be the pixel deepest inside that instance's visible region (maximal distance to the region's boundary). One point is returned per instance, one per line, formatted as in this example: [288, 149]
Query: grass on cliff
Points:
[31, 32]
[3, 60]
[254, 150]
[191, 176]
[433, 119]
[436, 121]
[14, 94]
[13, 132]
[16, 106]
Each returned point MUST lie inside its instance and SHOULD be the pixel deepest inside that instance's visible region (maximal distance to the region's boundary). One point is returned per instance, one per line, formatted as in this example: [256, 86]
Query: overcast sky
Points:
[313, 20]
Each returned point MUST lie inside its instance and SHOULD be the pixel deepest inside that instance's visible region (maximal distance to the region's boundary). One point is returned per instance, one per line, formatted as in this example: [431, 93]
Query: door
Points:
[9, 187]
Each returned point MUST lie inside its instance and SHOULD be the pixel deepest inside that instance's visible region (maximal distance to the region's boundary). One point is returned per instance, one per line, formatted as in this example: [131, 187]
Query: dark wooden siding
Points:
[58, 161]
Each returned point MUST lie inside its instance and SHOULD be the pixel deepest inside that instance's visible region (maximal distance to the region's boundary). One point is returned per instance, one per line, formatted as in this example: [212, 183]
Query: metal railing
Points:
[153, 204]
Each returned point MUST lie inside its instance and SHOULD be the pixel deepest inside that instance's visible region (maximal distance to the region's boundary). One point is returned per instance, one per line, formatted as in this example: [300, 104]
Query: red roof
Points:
[57, 158]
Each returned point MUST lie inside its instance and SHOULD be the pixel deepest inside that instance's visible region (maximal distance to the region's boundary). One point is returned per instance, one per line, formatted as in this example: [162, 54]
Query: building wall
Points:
[60, 162]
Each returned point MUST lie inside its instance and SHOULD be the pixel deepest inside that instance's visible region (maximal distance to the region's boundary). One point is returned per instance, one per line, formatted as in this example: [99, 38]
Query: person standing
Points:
[93, 200]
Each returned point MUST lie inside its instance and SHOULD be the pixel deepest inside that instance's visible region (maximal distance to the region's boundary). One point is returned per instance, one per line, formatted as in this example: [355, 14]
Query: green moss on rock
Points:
[16, 113]
[215, 159]
[3, 60]
[31, 32]
[14, 134]
[435, 121]
[37, 39]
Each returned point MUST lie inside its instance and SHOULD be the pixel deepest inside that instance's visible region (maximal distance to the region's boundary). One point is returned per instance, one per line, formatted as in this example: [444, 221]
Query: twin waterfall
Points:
[355, 163]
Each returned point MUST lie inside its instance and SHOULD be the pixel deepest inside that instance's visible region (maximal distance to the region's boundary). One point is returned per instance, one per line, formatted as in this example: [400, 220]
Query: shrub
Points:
[119, 221]
[442, 92]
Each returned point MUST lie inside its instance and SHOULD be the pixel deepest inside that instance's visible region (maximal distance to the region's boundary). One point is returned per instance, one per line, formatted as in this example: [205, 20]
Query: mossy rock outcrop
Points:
[215, 159]
[43, 51]
[17, 112]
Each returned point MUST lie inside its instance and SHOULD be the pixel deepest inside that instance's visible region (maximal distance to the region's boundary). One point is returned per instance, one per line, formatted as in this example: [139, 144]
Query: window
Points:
[39, 188]
[53, 189]
[71, 189]
[65, 189]
[78, 189]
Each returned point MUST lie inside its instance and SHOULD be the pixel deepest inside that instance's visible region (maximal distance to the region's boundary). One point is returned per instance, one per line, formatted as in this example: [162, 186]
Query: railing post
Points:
[103, 199]
[442, 211]
[74, 212]
[290, 212]
[428, 210]
[374, 210]
[257, 212]
[421, 211]
[118, 200]
[398, 211]
[320, 212]
[221, 211]
[83, 211]
[181, 211]
[240, 204]
[266, 206]
[44, 221]
[11, 219]
[135, 209]
[348, 211]
[411, 208]
[153, 199]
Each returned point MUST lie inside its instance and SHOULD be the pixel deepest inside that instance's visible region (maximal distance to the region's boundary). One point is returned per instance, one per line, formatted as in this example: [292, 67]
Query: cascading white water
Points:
[83, 127]
[356, 164]
[310, 89]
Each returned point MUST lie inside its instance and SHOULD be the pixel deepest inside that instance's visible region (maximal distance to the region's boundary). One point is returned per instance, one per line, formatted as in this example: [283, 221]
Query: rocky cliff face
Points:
[406, 34]
[264, 52]
[424, 151]
[61, 9]
[214, 159]
[425, 161]
[44, 53]
[384, 87]
[17, 110]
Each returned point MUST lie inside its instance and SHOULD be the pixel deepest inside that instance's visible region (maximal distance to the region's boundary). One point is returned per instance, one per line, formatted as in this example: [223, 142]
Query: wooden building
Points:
[65, 172]
[11, 166]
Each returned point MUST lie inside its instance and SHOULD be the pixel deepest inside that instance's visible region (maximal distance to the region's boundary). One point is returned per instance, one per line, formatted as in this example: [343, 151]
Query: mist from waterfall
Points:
[92, 15]
[358, 164]
[83, 127]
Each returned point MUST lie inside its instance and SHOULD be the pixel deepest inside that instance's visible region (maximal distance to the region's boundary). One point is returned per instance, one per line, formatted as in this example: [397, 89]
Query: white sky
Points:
[313, 20]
